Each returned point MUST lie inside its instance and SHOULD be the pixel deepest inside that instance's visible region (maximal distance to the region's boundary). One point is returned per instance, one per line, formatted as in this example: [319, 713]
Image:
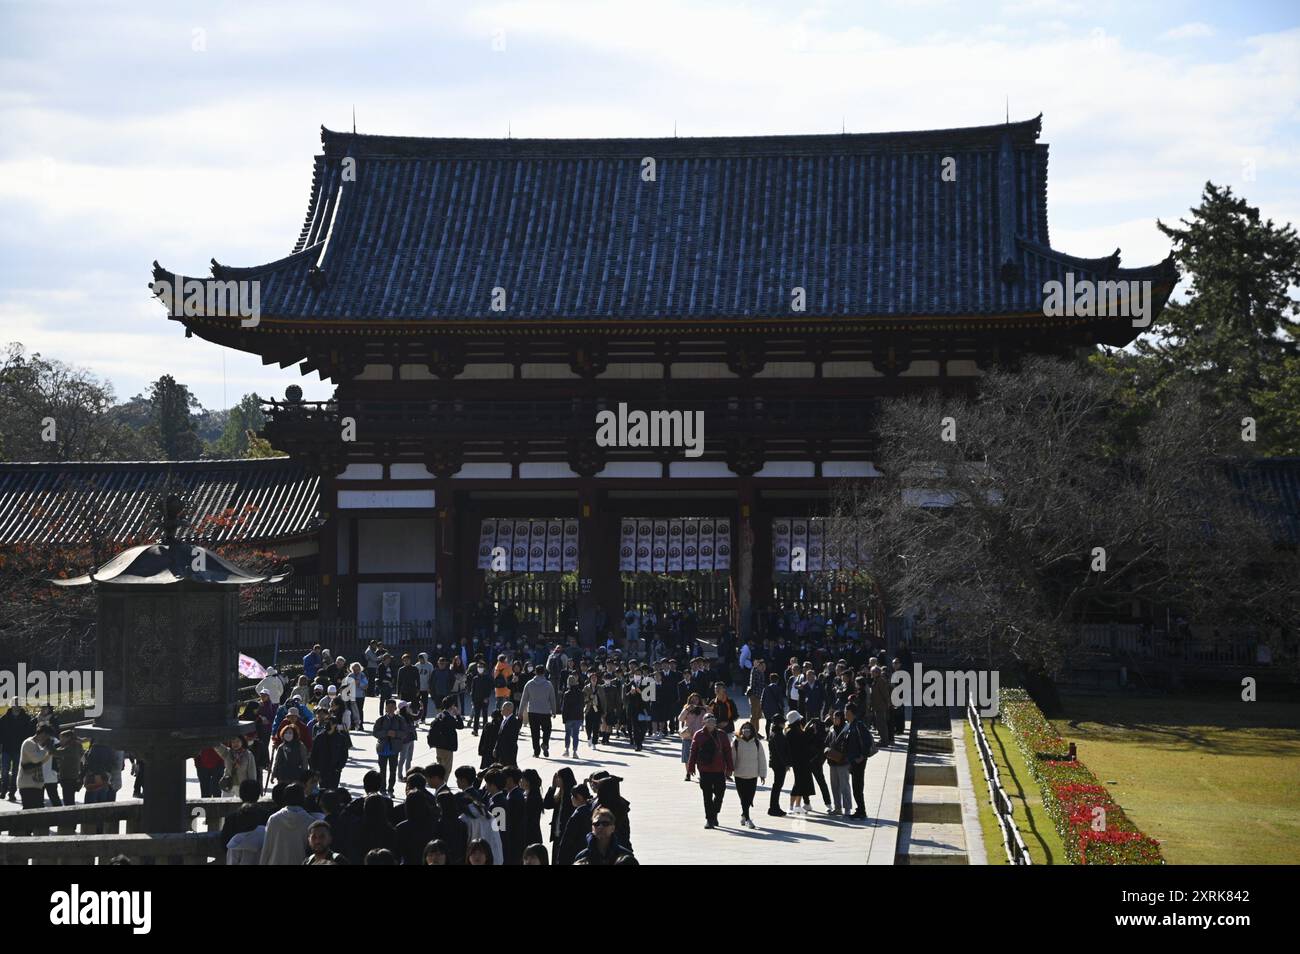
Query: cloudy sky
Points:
[185, 131]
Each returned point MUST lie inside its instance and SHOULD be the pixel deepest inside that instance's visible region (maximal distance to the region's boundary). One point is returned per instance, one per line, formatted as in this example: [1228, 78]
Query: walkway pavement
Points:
[667, 814]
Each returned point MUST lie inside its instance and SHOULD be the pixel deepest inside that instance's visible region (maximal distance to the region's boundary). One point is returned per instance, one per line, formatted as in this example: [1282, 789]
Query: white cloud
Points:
[1188, 31]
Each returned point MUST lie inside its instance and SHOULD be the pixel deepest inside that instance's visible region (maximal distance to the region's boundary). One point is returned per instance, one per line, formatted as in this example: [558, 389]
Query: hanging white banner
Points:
[674, 546]
[536, 546]
[722, 545]
[570, 560]
[627, 546]
[798, 546]
[691, 544]
[706, 544]
[487, 539]
[554, 549]
[816, 543]
[659, 549]
[644, 543]
[781, 545]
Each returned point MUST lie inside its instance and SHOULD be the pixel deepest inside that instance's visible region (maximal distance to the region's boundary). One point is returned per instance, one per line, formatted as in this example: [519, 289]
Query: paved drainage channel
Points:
[931, 829]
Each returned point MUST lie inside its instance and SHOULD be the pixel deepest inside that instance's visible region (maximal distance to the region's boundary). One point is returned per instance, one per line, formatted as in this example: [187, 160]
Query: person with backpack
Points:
[442, 731]
[711, 754]
[751, 767]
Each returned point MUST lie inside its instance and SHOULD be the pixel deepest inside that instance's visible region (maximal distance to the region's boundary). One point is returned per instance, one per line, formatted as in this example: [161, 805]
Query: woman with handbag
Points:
[837, 756]
[240, 765]
[290, 756]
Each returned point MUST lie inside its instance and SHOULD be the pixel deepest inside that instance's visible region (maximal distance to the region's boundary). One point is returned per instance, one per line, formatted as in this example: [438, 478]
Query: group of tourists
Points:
[43, 763]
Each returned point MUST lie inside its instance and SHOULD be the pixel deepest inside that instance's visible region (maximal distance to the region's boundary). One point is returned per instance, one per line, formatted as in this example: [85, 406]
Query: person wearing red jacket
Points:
[711, 754]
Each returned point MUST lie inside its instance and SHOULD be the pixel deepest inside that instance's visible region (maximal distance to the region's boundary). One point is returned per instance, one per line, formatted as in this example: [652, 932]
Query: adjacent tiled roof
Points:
[1272, 486]
[865, 224]
[246, 501]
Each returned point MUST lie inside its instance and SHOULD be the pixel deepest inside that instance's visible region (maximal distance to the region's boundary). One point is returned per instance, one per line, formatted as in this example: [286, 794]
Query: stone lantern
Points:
[167, 647]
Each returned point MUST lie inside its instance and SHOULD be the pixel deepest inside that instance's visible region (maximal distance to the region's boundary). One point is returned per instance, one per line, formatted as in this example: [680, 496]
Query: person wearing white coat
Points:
[750, 760]
[286, 830]
[272, 685]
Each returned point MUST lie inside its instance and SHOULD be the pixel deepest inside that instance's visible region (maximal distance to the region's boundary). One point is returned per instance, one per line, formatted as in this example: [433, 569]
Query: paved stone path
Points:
[667, 814]
[939, 820]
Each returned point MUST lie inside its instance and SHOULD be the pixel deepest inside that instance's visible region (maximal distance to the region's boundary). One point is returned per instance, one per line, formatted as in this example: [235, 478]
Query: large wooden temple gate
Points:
[479, 302]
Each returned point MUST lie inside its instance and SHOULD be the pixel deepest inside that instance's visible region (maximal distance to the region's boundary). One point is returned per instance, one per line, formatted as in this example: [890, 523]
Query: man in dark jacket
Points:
[773, 700]
[480, 689]
[602, 848]
[408, 680]
[506, 751]
[329, 752]
[856, 754]
[442, 732]
[15, 727]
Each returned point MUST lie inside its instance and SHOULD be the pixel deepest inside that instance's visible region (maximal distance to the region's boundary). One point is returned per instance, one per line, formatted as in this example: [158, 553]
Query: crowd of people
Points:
[816, 700]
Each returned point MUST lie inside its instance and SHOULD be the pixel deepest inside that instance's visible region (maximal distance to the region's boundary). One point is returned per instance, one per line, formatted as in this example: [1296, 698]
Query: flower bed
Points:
[1093, 827]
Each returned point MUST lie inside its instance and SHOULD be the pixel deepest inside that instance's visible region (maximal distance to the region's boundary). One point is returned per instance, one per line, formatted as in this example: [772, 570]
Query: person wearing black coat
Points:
[558, 802]
[16, 726]
[516, 833]
[414, 833]
[451, 829]
[778, 760]
[329, 753]
[507, 744]
[487, 742]
[576, 828]
[480, 691]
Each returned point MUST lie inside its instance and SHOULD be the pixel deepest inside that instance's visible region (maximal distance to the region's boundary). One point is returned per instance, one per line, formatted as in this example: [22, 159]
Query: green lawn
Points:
[1036, 828]
[1214, 779]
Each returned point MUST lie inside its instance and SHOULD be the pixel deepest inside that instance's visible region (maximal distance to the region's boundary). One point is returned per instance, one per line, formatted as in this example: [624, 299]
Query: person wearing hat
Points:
[272, 685]
[800, 754]
[711, 754]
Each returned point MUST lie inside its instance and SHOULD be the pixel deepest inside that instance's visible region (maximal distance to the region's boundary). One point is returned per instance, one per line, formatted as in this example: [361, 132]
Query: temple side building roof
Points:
[227, 501]
[407, 229]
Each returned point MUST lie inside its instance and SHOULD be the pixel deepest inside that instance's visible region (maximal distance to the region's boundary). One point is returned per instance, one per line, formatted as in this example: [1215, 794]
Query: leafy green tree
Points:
[1235, 339]
[54, 411]
[243, 421]
[174, 425]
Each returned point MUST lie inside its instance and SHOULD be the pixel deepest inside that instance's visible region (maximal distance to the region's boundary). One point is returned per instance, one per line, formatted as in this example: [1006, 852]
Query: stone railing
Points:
[91, 834]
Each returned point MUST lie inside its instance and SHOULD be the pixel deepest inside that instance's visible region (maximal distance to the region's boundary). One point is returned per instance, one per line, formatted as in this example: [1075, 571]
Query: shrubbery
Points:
[1072, 795]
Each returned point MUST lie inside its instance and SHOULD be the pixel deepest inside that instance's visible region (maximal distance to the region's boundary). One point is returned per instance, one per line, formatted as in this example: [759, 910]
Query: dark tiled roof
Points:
[1271, 485]
[864, 223]
[243, 501]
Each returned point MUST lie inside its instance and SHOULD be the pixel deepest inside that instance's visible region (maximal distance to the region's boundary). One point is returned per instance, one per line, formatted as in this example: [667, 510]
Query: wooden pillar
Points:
[760, 522]
[592, 567]
[448, 563]
[743, 572]
[327, 610]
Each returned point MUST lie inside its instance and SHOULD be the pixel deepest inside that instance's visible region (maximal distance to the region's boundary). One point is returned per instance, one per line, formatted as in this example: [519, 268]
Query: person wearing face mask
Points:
[240, 765]
[750, 768]
[290, 756]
